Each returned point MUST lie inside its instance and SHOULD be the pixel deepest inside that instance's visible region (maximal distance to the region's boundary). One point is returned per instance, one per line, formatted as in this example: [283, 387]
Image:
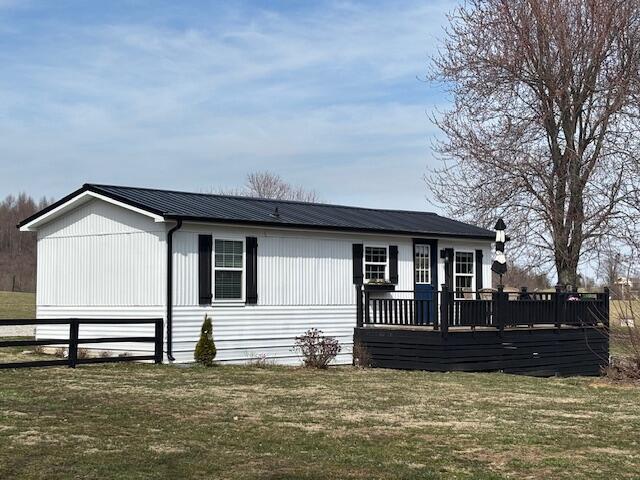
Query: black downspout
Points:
[170, 289]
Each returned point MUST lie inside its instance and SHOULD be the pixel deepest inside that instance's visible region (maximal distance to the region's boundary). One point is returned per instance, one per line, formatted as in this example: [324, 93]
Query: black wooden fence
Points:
[74, 340]
[497, 309]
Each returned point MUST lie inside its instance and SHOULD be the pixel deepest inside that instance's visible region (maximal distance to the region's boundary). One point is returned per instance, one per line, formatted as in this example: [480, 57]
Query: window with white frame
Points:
[375, 263]
[464, 265]
[228, 269]
[422, 263]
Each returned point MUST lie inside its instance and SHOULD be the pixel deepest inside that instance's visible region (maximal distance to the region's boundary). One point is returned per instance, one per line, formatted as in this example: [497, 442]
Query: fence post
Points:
[74, 328]
[159, 324]
[499, 307]
[445, 300]
[559, 301]
[359, 305]
[606, 293]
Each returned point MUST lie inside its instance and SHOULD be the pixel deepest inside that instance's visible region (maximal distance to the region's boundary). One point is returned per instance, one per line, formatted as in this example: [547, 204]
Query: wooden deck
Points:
[561, 333]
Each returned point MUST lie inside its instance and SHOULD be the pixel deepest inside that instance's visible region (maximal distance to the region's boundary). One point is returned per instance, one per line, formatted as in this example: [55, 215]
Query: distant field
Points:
[624, 340]
[624, 308]
[17, 305]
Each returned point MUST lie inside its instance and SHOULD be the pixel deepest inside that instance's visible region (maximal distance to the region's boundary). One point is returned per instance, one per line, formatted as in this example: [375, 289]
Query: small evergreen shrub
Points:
[316, 349]
[205, 349]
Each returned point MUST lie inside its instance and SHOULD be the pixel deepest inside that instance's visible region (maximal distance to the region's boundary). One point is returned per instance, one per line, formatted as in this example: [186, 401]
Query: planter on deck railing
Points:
[379, 287]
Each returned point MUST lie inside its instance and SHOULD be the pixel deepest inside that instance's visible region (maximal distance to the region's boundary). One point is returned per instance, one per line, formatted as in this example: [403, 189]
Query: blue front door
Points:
[424, 258]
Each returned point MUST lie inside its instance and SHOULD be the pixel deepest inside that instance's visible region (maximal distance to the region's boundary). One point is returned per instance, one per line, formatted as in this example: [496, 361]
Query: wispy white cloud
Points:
[327, 96]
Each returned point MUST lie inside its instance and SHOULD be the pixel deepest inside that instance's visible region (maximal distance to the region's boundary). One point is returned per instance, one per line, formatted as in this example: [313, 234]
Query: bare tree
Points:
[270, 185]
[544, 125]
[610, 266]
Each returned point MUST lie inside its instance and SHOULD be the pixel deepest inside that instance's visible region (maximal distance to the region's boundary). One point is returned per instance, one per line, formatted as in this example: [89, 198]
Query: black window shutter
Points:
[251, 283]
[393, 264]
[205, 243]
[357, 264]
[479, 270]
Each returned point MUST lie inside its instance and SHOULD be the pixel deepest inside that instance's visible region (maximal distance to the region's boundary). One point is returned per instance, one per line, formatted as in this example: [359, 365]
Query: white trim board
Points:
[78, 200]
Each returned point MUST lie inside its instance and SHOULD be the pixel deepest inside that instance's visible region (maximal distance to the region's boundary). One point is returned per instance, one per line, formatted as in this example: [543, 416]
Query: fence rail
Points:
[497, 309]
[74, 340]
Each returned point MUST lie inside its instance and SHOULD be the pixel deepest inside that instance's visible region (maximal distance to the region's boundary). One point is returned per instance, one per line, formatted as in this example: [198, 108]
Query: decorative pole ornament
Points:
[500, 263]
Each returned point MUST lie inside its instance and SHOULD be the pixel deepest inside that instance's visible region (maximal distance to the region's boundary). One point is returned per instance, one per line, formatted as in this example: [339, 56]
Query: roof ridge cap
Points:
[262, 199]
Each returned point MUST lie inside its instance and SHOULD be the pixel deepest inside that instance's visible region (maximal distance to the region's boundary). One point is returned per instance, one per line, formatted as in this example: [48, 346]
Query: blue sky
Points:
[193, 95]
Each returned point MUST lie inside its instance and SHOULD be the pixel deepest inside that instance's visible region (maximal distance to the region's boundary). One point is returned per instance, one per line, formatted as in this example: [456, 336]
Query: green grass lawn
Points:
[17, 305]
[132, 421]
[144, 421]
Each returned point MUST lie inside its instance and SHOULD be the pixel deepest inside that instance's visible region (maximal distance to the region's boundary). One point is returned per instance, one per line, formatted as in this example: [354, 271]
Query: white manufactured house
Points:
[264, 270]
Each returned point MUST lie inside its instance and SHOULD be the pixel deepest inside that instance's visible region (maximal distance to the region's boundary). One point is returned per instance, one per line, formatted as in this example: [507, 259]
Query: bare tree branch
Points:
[270, 185]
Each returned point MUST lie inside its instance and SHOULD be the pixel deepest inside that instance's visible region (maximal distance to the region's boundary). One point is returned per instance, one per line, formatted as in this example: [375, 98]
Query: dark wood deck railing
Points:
[401, 310]
[73, 341]
[497, 309]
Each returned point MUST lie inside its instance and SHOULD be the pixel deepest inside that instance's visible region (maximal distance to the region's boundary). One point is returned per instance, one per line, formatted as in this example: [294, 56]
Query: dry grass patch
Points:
[17, 305]
[145, 421]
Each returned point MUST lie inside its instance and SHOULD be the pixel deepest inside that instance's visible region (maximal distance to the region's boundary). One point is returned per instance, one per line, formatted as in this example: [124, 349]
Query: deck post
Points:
[558, 299]
[359, 310]
[500, 307]
[444, 310]
[523, 293]
[436, 321]
[367, 314]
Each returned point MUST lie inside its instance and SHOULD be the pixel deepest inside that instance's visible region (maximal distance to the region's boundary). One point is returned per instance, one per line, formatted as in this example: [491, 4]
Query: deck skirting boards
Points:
[539, 352]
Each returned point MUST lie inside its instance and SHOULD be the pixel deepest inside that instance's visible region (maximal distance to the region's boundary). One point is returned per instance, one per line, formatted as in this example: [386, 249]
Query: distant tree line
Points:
[18, 249]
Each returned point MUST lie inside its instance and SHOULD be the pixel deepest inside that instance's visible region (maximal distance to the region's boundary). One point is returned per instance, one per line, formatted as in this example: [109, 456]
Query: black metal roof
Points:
[257, 211]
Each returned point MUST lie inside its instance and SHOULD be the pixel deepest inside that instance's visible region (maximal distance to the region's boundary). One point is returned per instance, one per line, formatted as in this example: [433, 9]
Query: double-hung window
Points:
[375, 264]
[228, 269]
[464, 264]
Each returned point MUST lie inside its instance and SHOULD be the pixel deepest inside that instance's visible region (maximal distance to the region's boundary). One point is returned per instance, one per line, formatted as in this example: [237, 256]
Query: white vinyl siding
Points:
[101, 254]
[252, 331]
[102, 261]
[294, 268]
